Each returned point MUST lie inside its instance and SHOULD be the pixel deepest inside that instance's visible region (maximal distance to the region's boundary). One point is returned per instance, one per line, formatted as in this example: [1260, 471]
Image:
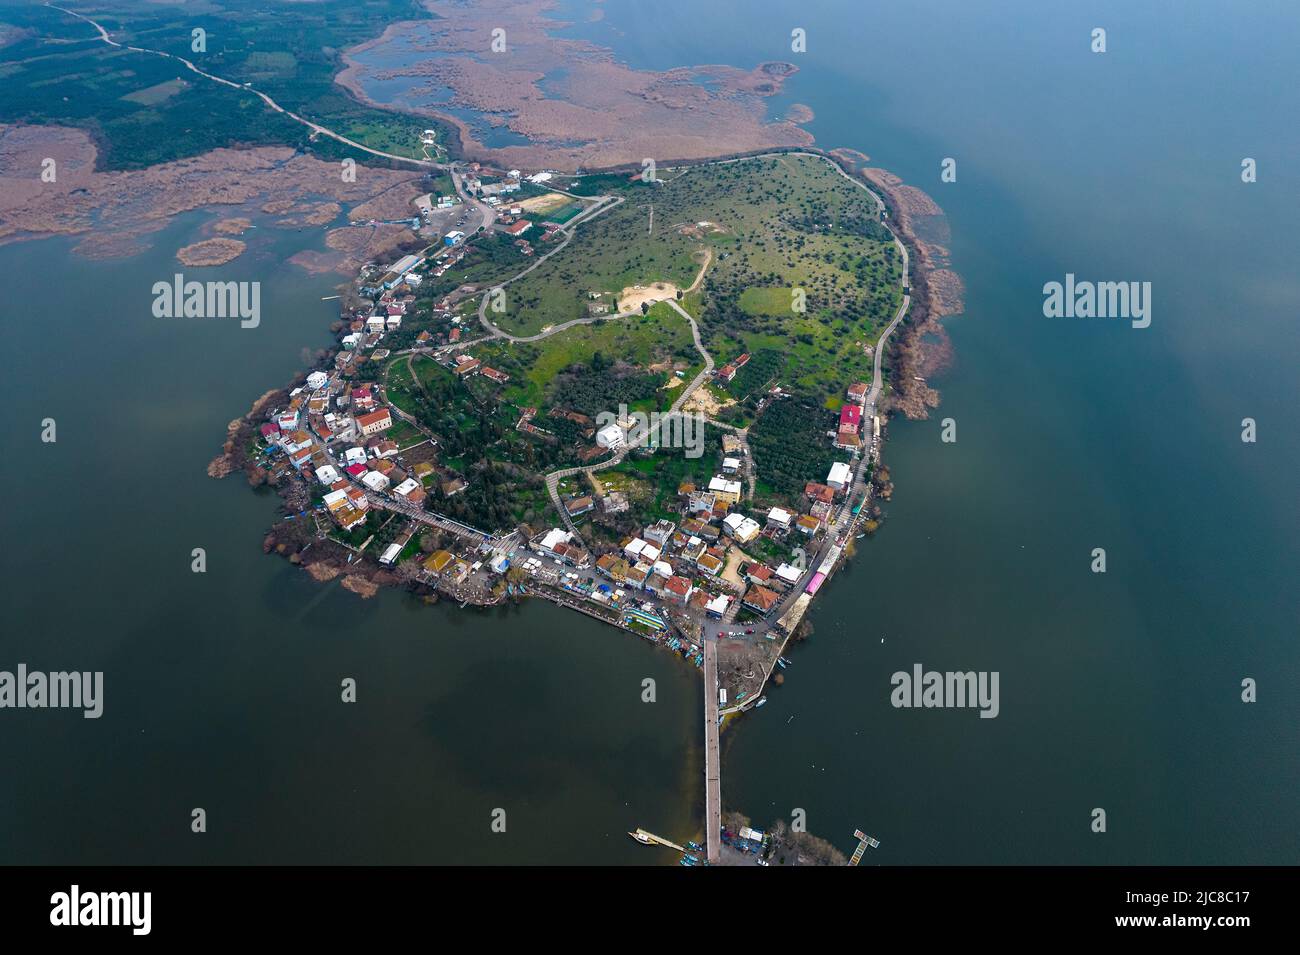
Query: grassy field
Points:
[774, 225]
[659, 337]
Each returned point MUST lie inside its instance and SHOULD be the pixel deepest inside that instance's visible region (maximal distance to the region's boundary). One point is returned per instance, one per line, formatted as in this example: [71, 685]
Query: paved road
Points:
[712, 756]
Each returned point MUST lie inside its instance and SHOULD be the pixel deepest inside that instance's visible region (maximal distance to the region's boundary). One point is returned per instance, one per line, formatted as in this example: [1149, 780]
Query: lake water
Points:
[1118, 691]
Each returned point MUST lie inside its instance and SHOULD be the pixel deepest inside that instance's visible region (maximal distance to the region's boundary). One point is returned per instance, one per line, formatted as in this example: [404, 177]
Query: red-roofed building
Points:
[677, 589]
[375, 422]
[761, 599]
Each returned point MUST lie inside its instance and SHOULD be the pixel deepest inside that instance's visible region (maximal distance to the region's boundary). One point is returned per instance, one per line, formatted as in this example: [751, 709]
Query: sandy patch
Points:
[634, 296]
[544, 204]
[705, 402]
[735, 557]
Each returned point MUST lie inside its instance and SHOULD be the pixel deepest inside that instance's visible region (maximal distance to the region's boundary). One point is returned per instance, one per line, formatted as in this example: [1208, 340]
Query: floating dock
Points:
[864, 840]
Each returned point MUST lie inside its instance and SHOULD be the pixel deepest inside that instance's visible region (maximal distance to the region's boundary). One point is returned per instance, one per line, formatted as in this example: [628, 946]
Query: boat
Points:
[761, 701]
[782, 662]
[641, 837]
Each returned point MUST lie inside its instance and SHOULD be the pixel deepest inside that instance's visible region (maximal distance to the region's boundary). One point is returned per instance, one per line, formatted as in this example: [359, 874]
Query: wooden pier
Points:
[656, 840]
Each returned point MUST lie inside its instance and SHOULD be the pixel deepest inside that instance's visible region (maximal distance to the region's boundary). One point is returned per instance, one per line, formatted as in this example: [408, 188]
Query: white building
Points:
[634, 548]
[789, 573]
[611, 436]
[779, 517]
[840, 476]
[375, 481]
[355, 456]
[406, 487]
[743, 529]
[553, 539]
[327, 475]
[730, 465]
[727, 489]
[316, 380]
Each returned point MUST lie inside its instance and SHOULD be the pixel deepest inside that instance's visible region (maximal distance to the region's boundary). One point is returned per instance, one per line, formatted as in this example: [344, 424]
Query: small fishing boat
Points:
[641, 837]
[761, 701]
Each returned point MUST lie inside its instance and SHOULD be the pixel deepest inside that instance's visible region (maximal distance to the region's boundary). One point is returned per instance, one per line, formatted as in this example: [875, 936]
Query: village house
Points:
[840, 476]
[580, 505]
[438, 561]
[717, 607]
[660, 532]
[710, 563]
[760, 599]
[677, 590]
[779, 519]
[363, 399]
[788, 574]
[375, 422]
[724, 491]
[411, 490]
[743, 529]
[848, 436]
[375, 481]
[757, 573]
[857, 392]
[632, 548]
[493, 375]
[465, 365]
[807, 524]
